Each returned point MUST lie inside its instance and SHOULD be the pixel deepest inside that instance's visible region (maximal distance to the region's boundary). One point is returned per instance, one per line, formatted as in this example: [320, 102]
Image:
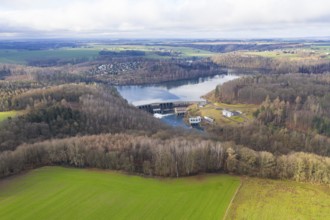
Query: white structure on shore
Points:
[229, 114]
[195, 120]
[209, 119]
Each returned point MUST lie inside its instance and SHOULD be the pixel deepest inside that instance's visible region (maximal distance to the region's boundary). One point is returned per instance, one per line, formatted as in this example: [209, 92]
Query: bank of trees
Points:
[173, 157]
[277, 140]
[255, 89]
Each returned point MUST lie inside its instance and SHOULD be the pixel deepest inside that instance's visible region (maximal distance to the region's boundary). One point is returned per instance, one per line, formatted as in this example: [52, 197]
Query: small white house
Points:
[209, 119]
[195, 120]
[229, 114]
[102, 67]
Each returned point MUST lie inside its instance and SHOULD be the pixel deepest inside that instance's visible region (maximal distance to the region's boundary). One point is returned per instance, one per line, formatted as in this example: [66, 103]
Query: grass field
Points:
[214, 110]
[313, 52]
[90, 52]
[62, 193]
[5, 115]
[274, 199]
[23, 56]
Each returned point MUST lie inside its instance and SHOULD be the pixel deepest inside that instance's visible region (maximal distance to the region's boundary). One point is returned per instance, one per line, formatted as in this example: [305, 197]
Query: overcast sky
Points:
[164, 18]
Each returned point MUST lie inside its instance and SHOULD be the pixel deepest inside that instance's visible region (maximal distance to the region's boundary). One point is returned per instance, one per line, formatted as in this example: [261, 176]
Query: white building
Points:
[229, 114]
[195, 120]
[209, 119]
[202, 104]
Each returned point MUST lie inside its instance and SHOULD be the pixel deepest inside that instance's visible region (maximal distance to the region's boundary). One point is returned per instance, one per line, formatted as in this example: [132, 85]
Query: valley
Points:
[75, 145]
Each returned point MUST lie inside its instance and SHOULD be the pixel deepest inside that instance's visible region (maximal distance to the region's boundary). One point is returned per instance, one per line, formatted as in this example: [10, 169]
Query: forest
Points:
[293, 113]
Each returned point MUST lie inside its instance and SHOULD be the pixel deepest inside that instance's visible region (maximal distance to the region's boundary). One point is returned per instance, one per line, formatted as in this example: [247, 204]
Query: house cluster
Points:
[166, 52]
[117, 68]
[197, 120]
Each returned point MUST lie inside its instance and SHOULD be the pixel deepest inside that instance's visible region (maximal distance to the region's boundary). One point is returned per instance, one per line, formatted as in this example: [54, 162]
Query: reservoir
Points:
[182, 90]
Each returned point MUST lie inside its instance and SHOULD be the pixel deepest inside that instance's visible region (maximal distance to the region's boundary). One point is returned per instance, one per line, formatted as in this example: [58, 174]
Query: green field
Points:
[312, 52]
[90, 52]
[274, 199]
[62, 193]
[5, 115]
[23, 56]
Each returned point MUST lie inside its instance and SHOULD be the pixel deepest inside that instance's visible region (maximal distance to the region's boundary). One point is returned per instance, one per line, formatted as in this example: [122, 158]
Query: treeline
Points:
[273, 66]
[70, 110]
[255, 89]
[49, 62]
[277, 140]
[62, 77]
[170, 157]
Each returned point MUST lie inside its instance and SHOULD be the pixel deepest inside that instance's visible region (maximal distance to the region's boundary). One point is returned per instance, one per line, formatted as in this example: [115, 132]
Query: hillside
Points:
[70, 110]
[293, 113]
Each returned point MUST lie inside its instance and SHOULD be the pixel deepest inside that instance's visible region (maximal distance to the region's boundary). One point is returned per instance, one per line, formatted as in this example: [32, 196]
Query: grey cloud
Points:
[155, 18]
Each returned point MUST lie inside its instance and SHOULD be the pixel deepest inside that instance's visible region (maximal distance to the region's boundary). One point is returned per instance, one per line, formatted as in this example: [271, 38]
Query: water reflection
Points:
[184, 90]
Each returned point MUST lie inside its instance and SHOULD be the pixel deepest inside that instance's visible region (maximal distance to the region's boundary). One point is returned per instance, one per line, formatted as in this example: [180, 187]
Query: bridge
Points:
[168, 107]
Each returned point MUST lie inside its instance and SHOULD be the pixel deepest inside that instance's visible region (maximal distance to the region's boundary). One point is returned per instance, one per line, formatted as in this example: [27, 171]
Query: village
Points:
[115, 68]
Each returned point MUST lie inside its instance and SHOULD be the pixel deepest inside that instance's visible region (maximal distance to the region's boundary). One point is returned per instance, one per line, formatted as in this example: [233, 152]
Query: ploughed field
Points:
[65, 193]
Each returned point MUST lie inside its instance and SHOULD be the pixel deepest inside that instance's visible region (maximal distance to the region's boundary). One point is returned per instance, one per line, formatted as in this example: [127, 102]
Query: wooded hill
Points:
[293, 113]
[70, 110]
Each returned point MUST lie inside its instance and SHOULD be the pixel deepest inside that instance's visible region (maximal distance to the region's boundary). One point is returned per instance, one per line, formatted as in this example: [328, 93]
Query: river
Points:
[182, 90]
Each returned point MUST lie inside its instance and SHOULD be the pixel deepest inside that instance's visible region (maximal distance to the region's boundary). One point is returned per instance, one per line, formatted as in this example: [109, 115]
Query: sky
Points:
[164, 18]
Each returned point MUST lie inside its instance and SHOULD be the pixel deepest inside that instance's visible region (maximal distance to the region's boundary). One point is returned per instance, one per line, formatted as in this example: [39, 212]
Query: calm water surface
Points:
[183, 90]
